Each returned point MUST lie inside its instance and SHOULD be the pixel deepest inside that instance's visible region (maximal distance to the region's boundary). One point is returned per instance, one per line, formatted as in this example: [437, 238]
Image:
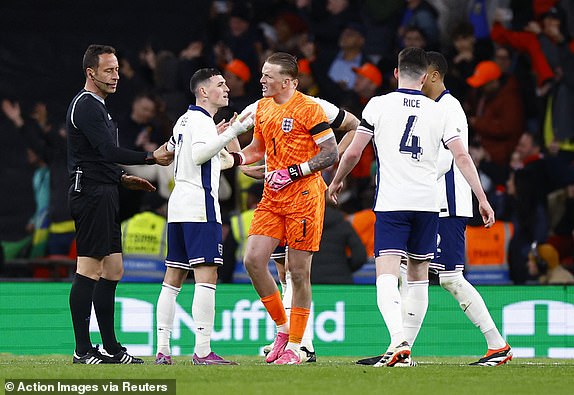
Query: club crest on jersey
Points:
[287, 125]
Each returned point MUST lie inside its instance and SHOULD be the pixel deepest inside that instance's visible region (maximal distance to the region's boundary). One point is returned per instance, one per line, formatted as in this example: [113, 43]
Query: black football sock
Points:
[104, 305]
[81, 308]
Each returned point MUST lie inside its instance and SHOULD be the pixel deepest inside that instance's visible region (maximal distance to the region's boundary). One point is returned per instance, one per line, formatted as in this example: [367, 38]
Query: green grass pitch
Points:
[330, 375]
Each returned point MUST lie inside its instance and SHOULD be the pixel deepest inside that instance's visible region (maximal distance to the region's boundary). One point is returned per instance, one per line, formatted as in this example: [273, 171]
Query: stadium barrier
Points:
[538, 321]
[486, 253]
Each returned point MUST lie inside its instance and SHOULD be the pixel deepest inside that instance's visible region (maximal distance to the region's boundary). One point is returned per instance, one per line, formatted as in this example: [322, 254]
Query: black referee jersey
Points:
[93, 141]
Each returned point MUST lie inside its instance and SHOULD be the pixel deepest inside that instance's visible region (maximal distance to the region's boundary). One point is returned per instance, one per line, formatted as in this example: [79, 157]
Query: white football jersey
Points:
[408, 130]
[331, 110]
[195, 197]
[454, 192]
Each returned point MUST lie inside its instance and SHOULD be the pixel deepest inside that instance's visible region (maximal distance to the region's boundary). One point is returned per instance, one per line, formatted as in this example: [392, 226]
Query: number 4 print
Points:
[413, 148]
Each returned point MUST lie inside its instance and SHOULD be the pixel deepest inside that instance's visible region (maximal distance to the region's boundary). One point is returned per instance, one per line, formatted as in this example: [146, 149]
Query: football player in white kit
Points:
[194, 218]
[408, 130]
[456, 208]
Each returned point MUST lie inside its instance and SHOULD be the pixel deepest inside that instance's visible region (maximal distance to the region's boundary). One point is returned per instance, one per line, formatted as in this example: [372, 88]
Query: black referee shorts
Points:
[95, 211]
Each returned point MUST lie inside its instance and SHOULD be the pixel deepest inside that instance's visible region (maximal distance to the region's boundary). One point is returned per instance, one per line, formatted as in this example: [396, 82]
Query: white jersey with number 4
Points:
[195, 197]
[408, 130]
[454, 192]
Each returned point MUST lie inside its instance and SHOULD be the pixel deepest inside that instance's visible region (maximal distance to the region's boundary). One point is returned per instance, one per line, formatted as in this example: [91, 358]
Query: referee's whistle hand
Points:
[136, 183]
[162, 156]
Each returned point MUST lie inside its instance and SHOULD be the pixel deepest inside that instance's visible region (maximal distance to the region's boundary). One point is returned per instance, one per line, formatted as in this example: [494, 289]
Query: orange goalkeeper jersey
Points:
[291, 133]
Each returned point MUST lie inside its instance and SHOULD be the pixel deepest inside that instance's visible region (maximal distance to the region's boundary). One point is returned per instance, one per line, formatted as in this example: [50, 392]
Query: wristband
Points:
[149, 159]
[298, 171]
[238, 158]
[305, 168]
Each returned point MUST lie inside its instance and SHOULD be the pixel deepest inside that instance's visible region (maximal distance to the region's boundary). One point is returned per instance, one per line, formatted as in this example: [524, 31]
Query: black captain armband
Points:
[149, 159]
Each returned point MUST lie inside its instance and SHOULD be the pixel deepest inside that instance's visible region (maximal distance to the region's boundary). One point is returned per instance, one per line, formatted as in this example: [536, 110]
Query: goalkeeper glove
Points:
[279, 179]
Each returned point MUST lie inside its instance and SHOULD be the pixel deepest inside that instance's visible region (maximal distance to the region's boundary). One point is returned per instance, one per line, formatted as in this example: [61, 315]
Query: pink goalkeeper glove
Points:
[279, 179]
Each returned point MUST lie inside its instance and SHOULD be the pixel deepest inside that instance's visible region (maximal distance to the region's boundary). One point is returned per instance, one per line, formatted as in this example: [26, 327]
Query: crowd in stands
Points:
[511, 64]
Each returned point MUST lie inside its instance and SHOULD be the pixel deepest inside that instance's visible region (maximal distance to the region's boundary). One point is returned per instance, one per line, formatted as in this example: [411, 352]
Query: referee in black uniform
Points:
[94, 203]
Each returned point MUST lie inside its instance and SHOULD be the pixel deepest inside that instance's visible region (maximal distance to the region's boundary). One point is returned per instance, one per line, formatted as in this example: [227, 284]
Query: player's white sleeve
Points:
[204, 150]
[444, 162]
[331, 110]
[368, 119]
[451, 129]
[252, 108]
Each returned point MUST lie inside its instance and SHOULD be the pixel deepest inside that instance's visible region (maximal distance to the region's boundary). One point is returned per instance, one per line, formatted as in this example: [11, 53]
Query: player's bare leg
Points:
[299, 267]
[257, 254]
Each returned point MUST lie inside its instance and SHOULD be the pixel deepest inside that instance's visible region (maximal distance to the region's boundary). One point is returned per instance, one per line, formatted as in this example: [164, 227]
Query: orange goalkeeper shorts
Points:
[300, 222]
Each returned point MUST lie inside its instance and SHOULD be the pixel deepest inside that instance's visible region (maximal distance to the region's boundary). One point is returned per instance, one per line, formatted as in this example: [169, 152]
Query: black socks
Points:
[81, 307]
[104, 305]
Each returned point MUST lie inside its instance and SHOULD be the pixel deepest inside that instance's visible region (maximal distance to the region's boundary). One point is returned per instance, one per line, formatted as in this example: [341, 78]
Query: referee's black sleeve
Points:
[123, 156]
[92, 119]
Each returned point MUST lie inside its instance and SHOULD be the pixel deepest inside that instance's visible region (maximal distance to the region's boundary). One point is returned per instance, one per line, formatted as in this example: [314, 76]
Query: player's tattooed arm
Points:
[326, 157]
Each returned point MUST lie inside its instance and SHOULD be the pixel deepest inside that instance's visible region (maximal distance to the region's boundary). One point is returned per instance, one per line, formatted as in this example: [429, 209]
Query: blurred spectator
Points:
[528, 188]
[369, 80]
[493, 178]
[334, 71]
[191, 59]
[138, 131]
[363, 222]
[495, 109]
[307, 83]
[48, 149]
[462, 59]
[551, 52]
[243, 40]
[62, 230]
[544, 265]
[341, 251]
[381, 19]
[39, 223]
[144, 235]
[350, 54]
[17, 202]
[289, 27]
[561, 211]
[144, 241]
[332, 20]
[167, 85]
[503, 58]
[480, 13]
[526, 41]
[414, 37]
[132, 83]
[237, 76]
[422, 15]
